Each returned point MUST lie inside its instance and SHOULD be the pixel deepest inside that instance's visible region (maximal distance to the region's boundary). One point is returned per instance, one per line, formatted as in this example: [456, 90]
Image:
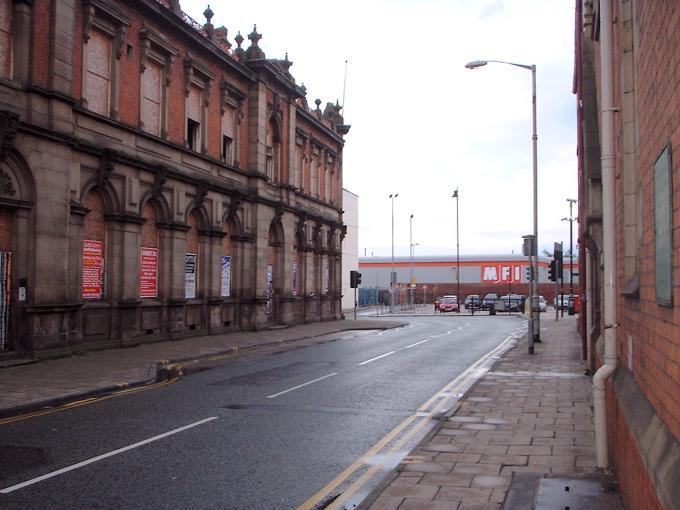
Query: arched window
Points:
[149, 254]
[273, 152]
[94, 247]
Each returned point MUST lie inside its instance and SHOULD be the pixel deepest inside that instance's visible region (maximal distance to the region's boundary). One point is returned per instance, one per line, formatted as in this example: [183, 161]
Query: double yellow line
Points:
[426, 411]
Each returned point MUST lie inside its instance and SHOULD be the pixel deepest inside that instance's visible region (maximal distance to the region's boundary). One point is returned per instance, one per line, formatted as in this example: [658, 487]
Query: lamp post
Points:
[410, 242]
[533, 258]
[392, 275]
[571, 218]
[455, 195]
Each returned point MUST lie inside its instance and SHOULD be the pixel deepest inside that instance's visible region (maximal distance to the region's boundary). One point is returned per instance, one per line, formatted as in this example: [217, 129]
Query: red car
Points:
[449, 304]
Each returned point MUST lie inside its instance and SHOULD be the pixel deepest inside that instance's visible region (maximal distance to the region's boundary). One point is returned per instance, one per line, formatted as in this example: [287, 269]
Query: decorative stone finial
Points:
[239, 52]
[208, 14]
[254, 52]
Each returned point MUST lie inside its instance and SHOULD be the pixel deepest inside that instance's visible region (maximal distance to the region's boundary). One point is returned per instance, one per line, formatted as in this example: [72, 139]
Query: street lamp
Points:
[534, 332]
[571, 219]
[410, 242]
[392, 274]
[455, 195]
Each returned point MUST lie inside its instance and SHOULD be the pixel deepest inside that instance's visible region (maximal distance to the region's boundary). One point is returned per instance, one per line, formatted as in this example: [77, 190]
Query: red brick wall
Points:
[5, 230]
[636, 487]
[40, 53]
[149, 235]
[95, 225]
[653, 329]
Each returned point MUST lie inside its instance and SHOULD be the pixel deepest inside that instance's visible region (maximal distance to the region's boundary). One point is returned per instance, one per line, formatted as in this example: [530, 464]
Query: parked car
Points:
[473, 302]
[448, 304]
[540, 304]
[488, 300]
[563, 301]
[510, 303]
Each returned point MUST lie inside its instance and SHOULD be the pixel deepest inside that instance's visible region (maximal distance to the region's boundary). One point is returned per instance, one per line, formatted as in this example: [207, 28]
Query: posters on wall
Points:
[93, 269]
[270, 290]
[5, 272]
[148, 273]
[190, 275]
[294, 279]
[326, 278]
[226, 276]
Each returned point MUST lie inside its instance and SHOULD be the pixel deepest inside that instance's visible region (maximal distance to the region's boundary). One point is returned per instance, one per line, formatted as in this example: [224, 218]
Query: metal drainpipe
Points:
[588, 309]
[609, 238]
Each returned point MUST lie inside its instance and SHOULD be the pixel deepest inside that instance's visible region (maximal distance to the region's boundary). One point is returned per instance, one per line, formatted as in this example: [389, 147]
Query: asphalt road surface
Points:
[269, 430]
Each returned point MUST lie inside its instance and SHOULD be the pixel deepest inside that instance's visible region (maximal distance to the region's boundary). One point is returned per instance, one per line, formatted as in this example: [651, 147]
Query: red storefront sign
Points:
[148, 273]
[93, 269]
[501, 273]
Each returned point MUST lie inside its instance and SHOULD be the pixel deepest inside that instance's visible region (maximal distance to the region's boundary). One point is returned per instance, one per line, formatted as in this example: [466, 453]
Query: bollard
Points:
[492, 309]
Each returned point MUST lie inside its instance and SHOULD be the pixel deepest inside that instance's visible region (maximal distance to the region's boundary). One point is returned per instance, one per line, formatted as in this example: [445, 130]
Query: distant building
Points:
[479, 274]
[627, 69]
[157, 180]
[350, 245]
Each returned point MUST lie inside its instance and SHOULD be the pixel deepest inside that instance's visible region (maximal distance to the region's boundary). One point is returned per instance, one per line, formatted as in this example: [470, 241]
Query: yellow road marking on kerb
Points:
[361, 461]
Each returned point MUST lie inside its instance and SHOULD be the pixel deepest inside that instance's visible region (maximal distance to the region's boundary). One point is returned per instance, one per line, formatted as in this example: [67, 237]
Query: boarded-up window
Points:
[663, 228]
[98, 73]
[193, 110]
[6, 39]
[327, 184]
[228, 122]
[314, 184]
[151, 98]
[94, 247]
[5, 230]
[297, 176]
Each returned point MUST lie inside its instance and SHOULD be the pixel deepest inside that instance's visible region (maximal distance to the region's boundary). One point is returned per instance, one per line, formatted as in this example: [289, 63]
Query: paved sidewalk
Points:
[52, 382]
[529, 414]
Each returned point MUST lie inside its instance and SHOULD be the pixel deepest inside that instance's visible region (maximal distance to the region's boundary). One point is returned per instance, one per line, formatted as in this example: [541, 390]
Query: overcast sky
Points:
[424, 125]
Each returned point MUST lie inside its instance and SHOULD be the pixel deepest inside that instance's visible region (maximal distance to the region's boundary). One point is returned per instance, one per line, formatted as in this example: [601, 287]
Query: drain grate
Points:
[576, 494]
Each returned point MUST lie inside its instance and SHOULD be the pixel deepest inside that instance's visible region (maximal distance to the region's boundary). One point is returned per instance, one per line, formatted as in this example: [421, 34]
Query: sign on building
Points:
[190, 275]
[226, 276]
[93, 269]
[148, 273]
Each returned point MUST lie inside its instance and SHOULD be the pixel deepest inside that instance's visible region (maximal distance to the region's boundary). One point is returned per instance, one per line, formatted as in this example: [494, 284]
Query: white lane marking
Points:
[417, 343]
[302, 385]
[377, 357]
[101, 457]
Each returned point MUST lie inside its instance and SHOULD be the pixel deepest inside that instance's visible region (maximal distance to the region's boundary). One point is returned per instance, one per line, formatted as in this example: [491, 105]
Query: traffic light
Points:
[354, 279]
[528, 273]
[552, 272]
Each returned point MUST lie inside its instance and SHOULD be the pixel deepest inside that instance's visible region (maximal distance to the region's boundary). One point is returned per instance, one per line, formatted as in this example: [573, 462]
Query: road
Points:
[264, 431]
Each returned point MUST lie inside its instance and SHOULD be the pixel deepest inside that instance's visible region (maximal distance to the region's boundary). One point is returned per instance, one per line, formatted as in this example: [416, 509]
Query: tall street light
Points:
[571, 218]
[533, 259]
[392, 274]
[410, 242]
[455, 195]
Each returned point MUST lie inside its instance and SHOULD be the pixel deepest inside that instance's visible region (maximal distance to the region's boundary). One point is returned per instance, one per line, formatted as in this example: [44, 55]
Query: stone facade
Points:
[156, 181]
[643, 398]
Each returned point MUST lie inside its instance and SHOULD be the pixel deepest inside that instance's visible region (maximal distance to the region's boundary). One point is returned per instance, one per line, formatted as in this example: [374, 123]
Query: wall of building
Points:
[643, 418]
[151, 186]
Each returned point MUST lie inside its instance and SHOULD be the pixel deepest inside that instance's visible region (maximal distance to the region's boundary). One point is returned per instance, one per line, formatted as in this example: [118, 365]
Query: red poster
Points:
[148, 273]
[93, 269]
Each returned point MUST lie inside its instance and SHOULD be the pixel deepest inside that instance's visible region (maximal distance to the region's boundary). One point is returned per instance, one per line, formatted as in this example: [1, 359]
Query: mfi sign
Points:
[502, 273]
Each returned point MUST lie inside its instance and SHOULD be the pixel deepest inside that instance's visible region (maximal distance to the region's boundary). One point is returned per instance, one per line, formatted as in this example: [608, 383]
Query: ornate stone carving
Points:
[159, 181]
[201, 193]
[9, 123]
[105, 167]
[6, 184]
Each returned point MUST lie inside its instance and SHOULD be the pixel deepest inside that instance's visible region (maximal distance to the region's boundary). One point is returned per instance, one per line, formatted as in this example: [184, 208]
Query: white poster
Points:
[294, 279]
[190, 275]
[226, 276]
[270, 289]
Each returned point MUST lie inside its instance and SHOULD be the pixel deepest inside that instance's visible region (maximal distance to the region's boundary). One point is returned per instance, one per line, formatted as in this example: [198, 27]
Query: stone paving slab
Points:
[529, 414]
[51, 382]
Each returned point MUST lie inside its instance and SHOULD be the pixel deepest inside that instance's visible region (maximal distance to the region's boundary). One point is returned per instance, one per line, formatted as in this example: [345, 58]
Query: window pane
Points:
[663, 228]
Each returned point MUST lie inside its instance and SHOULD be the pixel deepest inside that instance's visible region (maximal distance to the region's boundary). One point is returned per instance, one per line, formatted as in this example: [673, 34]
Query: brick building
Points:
[626, 80]
[157, 180]
[479, 274]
